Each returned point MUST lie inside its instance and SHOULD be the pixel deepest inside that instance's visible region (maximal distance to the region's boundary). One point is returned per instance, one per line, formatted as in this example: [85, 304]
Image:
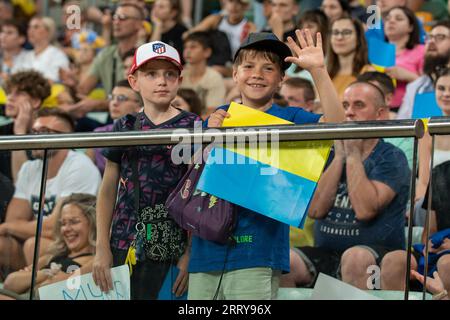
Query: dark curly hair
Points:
[31, 82]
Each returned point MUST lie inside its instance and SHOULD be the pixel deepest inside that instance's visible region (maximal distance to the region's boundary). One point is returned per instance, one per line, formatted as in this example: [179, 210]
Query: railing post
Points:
[411, 217]
[427, 218]
[39, 222]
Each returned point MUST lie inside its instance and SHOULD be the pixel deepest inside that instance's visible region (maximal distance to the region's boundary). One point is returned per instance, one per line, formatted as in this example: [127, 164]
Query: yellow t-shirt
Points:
[302, 238]
[341, 82]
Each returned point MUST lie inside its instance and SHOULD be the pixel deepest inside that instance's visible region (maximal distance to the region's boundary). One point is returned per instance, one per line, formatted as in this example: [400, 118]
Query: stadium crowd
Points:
[83, 68]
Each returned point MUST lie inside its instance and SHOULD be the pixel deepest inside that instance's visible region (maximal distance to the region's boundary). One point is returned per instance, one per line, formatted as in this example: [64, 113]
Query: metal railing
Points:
[322, 131]
[436, 126]
[439, 125]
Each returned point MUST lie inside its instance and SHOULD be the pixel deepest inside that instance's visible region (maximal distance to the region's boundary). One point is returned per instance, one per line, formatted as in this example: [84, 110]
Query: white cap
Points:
[155, 50]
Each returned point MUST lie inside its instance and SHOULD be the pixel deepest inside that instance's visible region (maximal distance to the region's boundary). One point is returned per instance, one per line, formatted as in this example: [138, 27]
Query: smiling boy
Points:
[253, 267]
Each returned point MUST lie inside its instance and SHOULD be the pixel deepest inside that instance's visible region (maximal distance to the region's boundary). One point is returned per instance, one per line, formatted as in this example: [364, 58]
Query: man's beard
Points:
[433, 64]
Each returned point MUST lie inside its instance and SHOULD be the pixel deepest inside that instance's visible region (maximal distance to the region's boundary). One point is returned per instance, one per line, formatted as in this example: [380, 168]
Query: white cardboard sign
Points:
[83, 287]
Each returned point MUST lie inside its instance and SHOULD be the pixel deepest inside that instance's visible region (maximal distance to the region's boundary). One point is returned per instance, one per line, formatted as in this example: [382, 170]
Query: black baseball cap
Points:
[266, 41]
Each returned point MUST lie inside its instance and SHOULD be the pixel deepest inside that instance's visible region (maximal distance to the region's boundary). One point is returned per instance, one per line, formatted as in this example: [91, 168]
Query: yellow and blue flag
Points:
[425, 106]
[276, 180]
[381, 53]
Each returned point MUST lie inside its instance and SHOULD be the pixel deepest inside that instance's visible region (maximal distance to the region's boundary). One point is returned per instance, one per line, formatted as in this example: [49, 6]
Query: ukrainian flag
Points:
[278, 183]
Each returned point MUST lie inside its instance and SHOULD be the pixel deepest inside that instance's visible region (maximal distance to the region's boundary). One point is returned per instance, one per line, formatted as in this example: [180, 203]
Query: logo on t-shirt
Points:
[49, 204]
[342, 200]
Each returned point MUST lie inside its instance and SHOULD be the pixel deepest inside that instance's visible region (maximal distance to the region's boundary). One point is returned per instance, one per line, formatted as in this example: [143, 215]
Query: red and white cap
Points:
[155, 50]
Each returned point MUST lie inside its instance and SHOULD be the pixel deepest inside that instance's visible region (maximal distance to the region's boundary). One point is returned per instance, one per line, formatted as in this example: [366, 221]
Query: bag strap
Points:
[134, 165]
[113, 76]
[135, 173]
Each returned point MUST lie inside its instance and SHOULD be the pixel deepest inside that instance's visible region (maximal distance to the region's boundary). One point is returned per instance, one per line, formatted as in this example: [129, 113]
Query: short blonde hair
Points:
[50, 25]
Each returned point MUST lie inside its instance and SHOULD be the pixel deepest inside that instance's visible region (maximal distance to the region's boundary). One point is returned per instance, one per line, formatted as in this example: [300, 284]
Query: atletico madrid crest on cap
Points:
[155, 50]
[159, 48]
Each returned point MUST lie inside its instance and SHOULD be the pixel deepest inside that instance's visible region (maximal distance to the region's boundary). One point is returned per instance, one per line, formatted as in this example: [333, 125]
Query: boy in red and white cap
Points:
[148, 174]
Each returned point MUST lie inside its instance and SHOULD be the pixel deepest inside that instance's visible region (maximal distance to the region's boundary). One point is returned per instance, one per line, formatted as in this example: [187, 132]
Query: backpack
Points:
[202, 214]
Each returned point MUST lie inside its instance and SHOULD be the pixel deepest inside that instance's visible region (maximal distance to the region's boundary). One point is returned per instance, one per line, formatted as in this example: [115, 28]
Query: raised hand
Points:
[24, 119]
[434, 285]
[339, 150]
[354, 147]
[307, 55]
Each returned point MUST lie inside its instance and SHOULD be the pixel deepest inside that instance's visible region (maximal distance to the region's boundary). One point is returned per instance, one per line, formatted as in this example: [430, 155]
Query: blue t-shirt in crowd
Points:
[340, 229]
[260, 241]
[378, 33]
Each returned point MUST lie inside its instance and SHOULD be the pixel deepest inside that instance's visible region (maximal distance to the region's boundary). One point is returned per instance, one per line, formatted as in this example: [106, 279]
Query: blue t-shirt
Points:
[260, 241]
[378, 33]
[340, 229]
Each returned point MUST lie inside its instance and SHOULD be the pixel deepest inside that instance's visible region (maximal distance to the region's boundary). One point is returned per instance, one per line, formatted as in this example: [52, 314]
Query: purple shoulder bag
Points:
[198, 212]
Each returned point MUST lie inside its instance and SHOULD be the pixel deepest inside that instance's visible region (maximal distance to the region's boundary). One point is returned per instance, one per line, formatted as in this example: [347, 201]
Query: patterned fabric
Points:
[158, 175]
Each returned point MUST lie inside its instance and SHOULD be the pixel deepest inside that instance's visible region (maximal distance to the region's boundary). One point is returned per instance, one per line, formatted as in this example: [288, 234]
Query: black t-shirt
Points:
[68, 265]
[441, 200]
[6, 193]
[5, 155]
[173, 37]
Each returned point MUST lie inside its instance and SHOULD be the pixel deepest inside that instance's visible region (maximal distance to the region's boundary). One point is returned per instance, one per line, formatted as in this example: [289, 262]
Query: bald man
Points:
[359, 203]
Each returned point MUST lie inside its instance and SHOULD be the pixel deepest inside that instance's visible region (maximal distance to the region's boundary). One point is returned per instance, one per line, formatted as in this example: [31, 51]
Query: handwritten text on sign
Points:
[86, 289]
